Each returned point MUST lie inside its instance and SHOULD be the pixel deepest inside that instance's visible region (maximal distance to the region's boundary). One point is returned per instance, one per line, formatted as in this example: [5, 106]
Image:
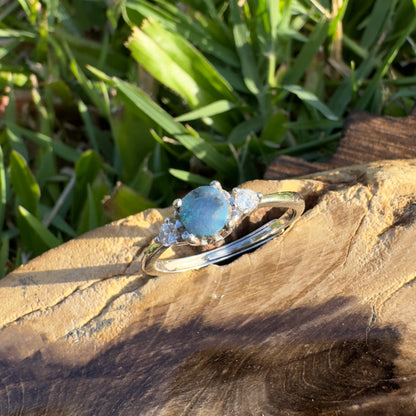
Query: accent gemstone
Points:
[168, 233]
[204, 211]
[245, 200]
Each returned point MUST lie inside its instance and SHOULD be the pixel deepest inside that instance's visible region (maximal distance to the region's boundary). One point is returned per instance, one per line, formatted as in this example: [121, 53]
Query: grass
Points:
[109, 108]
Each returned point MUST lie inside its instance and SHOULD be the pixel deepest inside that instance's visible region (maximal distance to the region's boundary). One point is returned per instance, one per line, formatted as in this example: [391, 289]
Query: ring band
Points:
[190, 226]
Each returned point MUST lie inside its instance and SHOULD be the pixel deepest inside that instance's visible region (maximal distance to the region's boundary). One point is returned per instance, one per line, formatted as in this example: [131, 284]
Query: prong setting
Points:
[216, 185]
[177, 203]
[241, 202]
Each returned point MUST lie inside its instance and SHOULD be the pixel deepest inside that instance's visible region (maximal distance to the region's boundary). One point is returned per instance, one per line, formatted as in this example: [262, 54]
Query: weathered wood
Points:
[319, 321]
[367, 138]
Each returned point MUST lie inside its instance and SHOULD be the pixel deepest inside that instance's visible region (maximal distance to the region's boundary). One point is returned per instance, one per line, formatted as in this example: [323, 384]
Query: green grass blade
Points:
[124, 201]
[62, 150]
[307, 53]
[4, 255]
[311, 99]
[3, 189]
[246, 128]
[38, 229]
[213, 109]
[140, 102]
[137, 100]
[195, 27]
[24, 183]
[20, 34]
[16, 143]
[83, 110]
[207, 153]
[176, 63]
[86, 170]
[246, 54]
[383, 68]
[376, 22]
[189, 177]
[92, 209]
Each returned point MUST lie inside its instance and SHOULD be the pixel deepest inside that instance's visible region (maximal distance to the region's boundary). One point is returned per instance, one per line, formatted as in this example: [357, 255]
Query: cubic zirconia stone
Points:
[168, 234]
[245, 200]
[204, 211]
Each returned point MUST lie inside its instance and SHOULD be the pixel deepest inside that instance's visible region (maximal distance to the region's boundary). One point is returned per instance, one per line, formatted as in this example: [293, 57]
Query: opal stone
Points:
[204, 211]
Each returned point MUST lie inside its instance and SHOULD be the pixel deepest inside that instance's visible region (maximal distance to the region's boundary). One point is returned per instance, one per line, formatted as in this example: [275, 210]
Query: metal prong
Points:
[216, 185]
[177, 203]
[230, 224]
[259, 196]
[189, 237]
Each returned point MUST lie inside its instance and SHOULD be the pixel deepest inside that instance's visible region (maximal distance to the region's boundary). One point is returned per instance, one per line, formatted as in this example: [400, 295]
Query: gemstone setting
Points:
[204, 211]
[207, 215]
[168, 233]
[245, 200]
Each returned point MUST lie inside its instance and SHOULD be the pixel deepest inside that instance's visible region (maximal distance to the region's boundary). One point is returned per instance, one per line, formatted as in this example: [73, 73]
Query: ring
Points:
[207, 215]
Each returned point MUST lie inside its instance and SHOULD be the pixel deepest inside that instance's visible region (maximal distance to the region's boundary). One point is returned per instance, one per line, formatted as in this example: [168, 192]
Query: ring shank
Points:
[292, 201]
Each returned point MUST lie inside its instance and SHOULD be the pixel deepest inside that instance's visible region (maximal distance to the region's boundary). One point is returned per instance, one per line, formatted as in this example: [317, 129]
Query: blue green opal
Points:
[204, 211]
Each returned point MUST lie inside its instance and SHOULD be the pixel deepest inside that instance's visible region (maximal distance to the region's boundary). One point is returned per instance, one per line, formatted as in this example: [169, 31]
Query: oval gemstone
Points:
[204, 211]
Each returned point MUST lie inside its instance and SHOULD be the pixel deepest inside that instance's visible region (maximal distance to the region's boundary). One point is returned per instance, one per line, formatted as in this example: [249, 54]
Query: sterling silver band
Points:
[292, 201]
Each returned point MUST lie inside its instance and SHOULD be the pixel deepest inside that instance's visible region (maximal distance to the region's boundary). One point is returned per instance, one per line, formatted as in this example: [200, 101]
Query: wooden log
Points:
[367, 138]
[319, 321]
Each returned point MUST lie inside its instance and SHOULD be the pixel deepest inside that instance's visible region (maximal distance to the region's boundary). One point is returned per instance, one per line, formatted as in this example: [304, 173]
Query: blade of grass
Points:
[384, 67]
[124, 201]
[245, 129]
[16, 143]
[307, 53]
[24, 183]
[3, 189]
[376, 22]
[213, 109]
[92, 210]
[241, 33]
[4, 255]
[189, 177]
[20, 34]
[83, 110]
[309, 145]
[38, 228]
[86, 170]
[64, 151]
[195, 27]
[136, 99]
[311, 99]
[176, 63]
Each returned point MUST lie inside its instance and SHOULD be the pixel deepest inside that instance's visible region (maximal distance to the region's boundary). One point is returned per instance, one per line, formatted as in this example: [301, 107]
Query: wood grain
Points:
[317, 322]
[367, 138]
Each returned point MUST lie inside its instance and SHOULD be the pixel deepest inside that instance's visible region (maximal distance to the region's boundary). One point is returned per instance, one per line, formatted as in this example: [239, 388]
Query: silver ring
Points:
[207, 215]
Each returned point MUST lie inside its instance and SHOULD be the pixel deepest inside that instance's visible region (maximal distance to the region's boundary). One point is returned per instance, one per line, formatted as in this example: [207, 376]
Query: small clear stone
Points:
[245, 200]
[186, 236]
[168, 233]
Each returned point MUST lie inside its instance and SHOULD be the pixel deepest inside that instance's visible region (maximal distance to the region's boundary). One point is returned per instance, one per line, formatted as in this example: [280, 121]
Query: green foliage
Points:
[137, 99]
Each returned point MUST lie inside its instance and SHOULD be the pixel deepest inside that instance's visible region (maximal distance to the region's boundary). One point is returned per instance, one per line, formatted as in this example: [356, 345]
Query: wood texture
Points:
[317, 322]
[367, 138]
